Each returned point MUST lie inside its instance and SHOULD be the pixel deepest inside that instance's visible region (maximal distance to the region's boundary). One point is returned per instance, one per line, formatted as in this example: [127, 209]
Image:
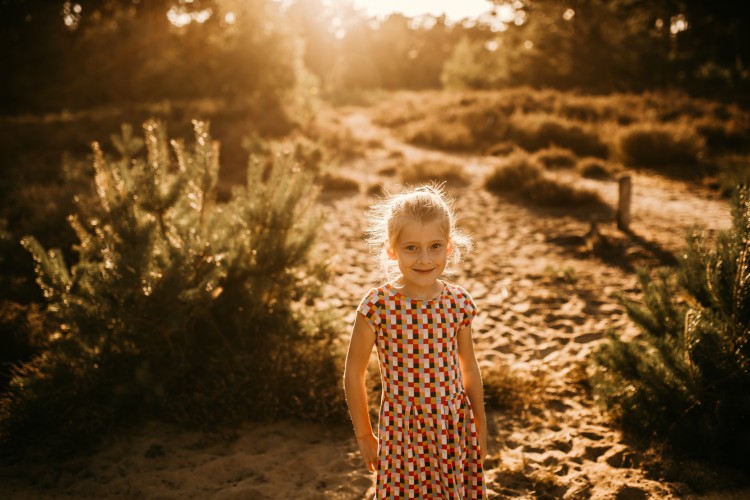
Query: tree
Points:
[126, 52]
[687, 380]
[178, 306]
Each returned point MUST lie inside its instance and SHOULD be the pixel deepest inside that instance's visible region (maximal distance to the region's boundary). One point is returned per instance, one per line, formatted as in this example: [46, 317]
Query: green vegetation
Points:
[686, 379]
[179, 306]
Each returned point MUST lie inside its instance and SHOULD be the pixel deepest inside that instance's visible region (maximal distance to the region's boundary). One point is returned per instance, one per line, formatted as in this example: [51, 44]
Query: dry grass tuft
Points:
[594, 168]
[338, 183]
[554, 158]
[429, 170]
[503, 148]
[436, 133]
[660, 144]
[507, 390]
[523, 176]
[537, 131]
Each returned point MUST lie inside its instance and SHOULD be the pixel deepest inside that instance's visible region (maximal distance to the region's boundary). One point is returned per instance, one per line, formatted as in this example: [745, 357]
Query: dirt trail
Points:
[545, 302]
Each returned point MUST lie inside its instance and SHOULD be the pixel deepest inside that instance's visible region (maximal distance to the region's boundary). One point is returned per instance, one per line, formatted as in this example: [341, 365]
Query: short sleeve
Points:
[468, 309]
[370, 308]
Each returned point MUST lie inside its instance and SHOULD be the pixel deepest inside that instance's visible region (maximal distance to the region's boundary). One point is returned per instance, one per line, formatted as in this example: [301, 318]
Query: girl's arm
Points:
[357, 358]
[473, 385]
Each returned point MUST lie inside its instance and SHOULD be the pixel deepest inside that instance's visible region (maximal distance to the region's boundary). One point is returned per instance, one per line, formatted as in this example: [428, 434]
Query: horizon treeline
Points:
[86, 53]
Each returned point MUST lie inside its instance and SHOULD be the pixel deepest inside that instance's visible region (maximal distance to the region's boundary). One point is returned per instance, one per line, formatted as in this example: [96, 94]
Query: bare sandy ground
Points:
[546, 292]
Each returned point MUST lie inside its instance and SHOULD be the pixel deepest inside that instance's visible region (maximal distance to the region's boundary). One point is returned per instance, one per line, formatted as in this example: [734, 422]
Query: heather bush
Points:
[594, 168]
[727, 135]
[439, 171]
[686, 380]
[338, 183]
[453, 135]
[538, 131]
[657, 145]
[179, 306]
[506, 390]
[523, 177]
[555, 158]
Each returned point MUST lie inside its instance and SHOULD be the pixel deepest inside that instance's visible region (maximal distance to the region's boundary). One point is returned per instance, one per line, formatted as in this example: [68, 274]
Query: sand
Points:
[545, 287]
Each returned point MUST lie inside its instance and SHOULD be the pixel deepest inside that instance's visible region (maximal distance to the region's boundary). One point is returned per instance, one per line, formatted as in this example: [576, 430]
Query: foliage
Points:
[434, 171]
[523, 177]
[506, 390]
[686, 380]
[594, 168]
[121, 53]
[473, 66]
[179, 306]
[556, 158]
[448, 136]
[655, 145]
[537, 131]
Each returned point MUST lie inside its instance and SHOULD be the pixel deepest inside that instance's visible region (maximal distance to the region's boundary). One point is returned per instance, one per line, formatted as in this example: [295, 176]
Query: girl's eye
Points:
[411, 248]
[436, 246]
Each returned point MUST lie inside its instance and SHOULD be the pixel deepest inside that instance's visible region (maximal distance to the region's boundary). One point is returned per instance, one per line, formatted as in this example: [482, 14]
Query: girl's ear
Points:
[450, 247]
[391, 252]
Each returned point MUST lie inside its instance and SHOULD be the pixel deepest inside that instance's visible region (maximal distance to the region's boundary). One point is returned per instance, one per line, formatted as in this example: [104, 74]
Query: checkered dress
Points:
[428, 440]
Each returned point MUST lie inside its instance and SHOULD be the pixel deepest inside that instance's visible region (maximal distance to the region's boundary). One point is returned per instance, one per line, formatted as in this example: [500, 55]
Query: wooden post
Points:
[623, 205]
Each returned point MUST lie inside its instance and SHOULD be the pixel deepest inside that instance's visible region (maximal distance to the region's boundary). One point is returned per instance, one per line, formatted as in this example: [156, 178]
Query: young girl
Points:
[432, 433]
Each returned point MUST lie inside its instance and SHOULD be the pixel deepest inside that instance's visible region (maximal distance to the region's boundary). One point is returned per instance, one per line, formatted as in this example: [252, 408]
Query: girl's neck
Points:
[419, 293]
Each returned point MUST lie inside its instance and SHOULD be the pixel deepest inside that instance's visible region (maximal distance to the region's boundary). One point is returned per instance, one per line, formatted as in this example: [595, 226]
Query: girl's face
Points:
[422, 251]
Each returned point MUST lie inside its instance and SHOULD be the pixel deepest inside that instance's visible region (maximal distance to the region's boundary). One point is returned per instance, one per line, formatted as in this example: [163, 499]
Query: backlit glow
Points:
[179, 16]
[454, 10]
[678, 24]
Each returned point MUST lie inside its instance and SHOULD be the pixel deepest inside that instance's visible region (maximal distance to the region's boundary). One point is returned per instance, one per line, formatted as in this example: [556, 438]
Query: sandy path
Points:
[545, 302]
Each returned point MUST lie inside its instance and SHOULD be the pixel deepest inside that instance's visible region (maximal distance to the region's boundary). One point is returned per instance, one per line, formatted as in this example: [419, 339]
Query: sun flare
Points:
[453, 10]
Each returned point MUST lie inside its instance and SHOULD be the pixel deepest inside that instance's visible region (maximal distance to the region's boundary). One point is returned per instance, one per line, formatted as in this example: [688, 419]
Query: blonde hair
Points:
[421, 204]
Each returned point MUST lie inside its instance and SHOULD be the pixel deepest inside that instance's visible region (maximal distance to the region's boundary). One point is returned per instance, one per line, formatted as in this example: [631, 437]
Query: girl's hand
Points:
[368, 447]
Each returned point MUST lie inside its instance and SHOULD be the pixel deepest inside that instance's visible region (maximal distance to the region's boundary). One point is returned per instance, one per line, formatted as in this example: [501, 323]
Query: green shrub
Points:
[179, 306]
[656, 145]
[686, 381]
[523, 177]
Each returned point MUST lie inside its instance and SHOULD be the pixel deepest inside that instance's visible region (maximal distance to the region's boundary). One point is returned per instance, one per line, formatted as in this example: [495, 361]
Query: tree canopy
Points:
[83, 53]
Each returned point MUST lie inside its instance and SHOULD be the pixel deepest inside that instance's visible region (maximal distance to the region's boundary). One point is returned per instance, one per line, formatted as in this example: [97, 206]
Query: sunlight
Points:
[492, 45]
[677, 24]
[71, 14]
[454, 11]
[179, 16]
